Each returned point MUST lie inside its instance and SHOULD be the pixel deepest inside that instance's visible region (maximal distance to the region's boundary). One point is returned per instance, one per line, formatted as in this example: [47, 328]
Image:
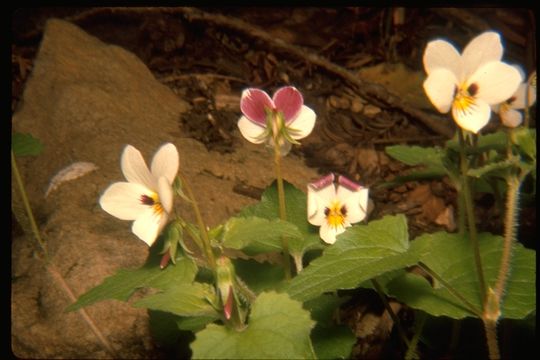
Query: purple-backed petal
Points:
[323, 182]
[253, 104]
[289, 101]
[349, 184]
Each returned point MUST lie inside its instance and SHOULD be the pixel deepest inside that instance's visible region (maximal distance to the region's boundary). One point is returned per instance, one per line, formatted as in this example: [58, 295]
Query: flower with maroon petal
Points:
[335, 207]
[278, 121]
[147, 196]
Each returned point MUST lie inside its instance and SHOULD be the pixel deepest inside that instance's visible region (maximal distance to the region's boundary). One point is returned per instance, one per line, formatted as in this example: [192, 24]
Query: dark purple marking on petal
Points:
[343, 210]
[323, 182]
[326, 211]
[472, 89]
[349, 184]
[511, 100]
[147, 200]
[289, 101]
[254, 103]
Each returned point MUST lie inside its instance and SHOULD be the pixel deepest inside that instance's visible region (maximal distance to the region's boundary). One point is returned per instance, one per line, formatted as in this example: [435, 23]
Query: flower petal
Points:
[356, 204]
[165, 193]
[483, 49]
[442, 54]
[519, 95]
[303, 125]
[253, 104]
[318, 200]
[328, 233]
[134, 168]
[165, 162]
[123, 200]
[289, 101]
[440, 86]
[251, 131]
[511, 118]
[496, 82]
[148, 225]
[474, 117]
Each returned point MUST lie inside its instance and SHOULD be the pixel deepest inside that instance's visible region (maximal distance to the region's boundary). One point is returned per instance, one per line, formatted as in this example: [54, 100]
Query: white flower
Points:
[334, 208]
[508, 110]
[280, 120]
[469, 83]
[147, 197]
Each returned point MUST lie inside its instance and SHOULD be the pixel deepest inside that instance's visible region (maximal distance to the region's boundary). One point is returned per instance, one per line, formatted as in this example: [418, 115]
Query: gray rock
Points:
[86, 100]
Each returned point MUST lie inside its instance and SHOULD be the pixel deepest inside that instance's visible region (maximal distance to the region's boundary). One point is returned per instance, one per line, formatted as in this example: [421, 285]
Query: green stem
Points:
[470, 214]
[27, 207]
[512, 201]
[461, 213]
[204, 234]
[282, 210]
[394, 317]
[452, 291]
[418, 326]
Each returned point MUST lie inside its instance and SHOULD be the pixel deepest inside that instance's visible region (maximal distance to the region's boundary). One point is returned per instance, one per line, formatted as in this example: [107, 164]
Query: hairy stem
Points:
[204, 234]
[467, 197]
[512, 200]
[282, 211]
[490, 327]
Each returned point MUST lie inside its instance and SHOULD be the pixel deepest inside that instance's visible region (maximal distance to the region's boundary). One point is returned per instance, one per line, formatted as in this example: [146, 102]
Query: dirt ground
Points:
[176, 75]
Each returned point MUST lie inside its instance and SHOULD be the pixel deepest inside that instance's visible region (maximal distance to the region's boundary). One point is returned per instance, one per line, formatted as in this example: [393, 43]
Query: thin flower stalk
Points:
[467, 197]
[204, 234]
[27, 207]
[282, 211]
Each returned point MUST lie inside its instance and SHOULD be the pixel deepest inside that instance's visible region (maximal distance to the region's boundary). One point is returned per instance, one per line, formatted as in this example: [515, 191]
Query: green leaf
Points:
[496, 168]
[278, 328]
[258, 276]
[494, 141]
[334, 342]
[430, 157]
[25, 144]
[360, 253]
[451, 257]
[122, 285]
[330, 340]
[526, 140]
[256, 235]
[163, 327]
[296, 203]
[194, 323]
[183, 299]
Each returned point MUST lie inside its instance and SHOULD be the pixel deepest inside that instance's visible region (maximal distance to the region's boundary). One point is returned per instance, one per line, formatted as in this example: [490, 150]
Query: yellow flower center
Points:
[464, 99]
[336, 214]
[153, 201]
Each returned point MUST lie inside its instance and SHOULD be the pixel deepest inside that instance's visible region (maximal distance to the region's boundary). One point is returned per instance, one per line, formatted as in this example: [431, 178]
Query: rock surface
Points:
[86, 100]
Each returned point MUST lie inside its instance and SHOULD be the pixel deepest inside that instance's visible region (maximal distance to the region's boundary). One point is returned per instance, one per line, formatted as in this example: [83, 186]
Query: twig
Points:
[175, 77]
[364, 88]
[60, 280]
